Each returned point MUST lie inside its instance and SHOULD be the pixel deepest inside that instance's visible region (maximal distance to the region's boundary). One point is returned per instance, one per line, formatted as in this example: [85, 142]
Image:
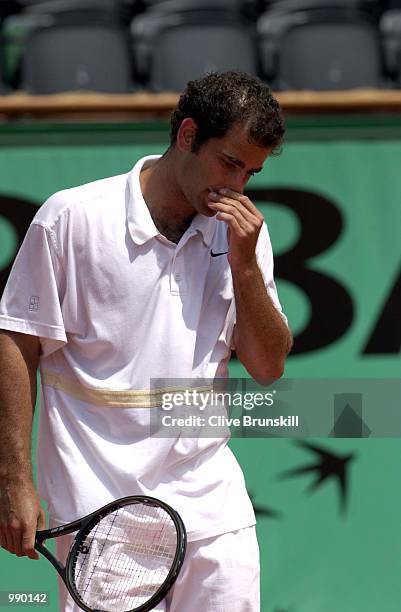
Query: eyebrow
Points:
[239, 162]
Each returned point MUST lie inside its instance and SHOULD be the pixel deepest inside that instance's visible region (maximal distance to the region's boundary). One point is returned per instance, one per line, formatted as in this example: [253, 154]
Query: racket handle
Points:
[40, 547]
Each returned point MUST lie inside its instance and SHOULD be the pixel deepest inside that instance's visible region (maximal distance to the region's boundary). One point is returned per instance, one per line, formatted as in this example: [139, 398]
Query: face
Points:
[229, 161]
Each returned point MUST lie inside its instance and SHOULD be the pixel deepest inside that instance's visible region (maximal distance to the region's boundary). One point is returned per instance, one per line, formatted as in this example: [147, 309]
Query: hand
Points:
[244, 223]
[21, 515]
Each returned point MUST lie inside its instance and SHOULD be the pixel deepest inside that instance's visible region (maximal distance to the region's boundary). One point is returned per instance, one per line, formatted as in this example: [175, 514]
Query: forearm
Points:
[262, 338]
[17, 400]
[20, 510]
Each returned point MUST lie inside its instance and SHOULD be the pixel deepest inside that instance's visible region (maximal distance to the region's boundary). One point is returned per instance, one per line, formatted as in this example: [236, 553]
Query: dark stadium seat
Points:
[172, 48]
[390, 26]
[64, 45]
[81, 10]
[300, 5]
[250, 9]
[320, 49]
[173, 6]
[370, 7]
[389, 5]
[7, 8]
[3, 88]
[60, 58]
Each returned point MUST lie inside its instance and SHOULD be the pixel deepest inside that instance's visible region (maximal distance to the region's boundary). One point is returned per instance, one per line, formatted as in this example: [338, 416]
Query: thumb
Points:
[28, 538]
[28, 541]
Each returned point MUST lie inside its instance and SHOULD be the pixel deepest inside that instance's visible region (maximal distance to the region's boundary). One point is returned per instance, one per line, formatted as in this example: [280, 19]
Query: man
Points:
[152, 275]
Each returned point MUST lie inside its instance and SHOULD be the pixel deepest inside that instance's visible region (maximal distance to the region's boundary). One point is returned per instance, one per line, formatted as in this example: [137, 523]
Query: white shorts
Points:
[219, 574]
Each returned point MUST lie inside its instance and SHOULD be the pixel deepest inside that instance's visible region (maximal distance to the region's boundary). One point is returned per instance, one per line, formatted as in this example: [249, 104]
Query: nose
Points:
[237, 181]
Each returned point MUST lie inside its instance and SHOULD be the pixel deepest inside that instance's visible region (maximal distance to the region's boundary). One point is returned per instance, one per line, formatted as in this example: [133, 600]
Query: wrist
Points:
[245, 269]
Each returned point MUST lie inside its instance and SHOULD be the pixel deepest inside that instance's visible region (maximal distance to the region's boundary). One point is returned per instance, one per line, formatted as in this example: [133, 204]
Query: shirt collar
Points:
[140, 223]
[206, 226]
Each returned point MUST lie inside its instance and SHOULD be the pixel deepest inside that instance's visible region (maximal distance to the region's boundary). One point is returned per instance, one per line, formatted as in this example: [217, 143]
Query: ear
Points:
[186, 135]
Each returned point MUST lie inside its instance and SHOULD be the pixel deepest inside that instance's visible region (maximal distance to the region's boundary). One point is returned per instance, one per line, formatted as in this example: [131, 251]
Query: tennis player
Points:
[154, 274]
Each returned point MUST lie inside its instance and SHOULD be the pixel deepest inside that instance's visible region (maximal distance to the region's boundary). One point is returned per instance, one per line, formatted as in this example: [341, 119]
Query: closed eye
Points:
[233, 165]
[230, 164]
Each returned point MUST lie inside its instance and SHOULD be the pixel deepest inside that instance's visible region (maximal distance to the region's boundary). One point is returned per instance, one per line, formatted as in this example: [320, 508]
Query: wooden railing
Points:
[145, 105]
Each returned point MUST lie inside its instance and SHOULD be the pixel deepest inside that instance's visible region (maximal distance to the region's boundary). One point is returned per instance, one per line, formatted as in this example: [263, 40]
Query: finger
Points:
[233, 224]
[244, 200]
[226, 199]
[15, 538]
[28, 542]
[7, 540]
[234, 212]
[235, 204]
[255, 219]
[4, 540]
[41, 520]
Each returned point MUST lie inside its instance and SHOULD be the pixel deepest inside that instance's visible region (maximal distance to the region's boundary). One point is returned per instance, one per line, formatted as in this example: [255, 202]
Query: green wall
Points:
[332, 202]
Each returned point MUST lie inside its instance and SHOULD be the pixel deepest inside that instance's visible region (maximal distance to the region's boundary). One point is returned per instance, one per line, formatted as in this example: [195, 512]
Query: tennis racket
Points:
[125, 556]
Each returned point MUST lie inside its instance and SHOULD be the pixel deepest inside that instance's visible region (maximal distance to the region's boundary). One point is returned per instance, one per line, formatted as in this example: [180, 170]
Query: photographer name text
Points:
[246, 420]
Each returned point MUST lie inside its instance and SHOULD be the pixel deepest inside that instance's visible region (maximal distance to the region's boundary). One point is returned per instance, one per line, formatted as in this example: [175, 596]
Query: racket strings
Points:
[93, 569]
[125, 558]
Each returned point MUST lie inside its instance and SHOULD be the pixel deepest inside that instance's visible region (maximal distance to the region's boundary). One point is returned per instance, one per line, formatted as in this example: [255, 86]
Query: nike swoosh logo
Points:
[218, 254]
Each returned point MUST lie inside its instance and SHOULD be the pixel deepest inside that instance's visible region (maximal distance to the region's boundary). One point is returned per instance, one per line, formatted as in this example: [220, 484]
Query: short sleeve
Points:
[264, 256]
[31, 302]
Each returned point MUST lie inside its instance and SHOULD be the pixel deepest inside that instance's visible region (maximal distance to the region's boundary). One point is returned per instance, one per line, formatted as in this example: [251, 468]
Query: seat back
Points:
[2, 64]
[185, 53]
[174, 6]
[62, 58]
[320, 50]
[288, 6]
[390, 26]
[7, 8]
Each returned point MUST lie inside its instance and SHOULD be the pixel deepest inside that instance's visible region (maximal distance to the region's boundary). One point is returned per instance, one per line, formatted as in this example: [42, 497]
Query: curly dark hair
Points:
[219, 100]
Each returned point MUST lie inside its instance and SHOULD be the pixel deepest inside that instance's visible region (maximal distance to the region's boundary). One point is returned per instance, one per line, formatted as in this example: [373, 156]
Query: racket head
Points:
[126, 556]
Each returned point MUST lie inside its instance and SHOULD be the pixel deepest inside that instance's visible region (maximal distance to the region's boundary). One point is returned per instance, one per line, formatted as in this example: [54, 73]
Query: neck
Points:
[170, 211]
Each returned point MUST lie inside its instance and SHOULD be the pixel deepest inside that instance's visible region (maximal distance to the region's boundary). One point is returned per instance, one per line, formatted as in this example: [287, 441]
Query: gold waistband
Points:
[117, 398]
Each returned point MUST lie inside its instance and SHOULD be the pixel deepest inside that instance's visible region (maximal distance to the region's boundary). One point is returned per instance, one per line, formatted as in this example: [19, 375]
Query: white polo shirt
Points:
[116, 304]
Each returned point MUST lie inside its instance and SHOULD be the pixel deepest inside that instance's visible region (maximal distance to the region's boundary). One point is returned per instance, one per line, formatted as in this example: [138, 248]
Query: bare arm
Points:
[262, 339]
[20, 511]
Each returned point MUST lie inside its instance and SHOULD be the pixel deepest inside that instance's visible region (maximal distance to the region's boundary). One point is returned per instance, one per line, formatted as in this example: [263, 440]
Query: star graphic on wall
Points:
[265, 511]
[329, 465]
